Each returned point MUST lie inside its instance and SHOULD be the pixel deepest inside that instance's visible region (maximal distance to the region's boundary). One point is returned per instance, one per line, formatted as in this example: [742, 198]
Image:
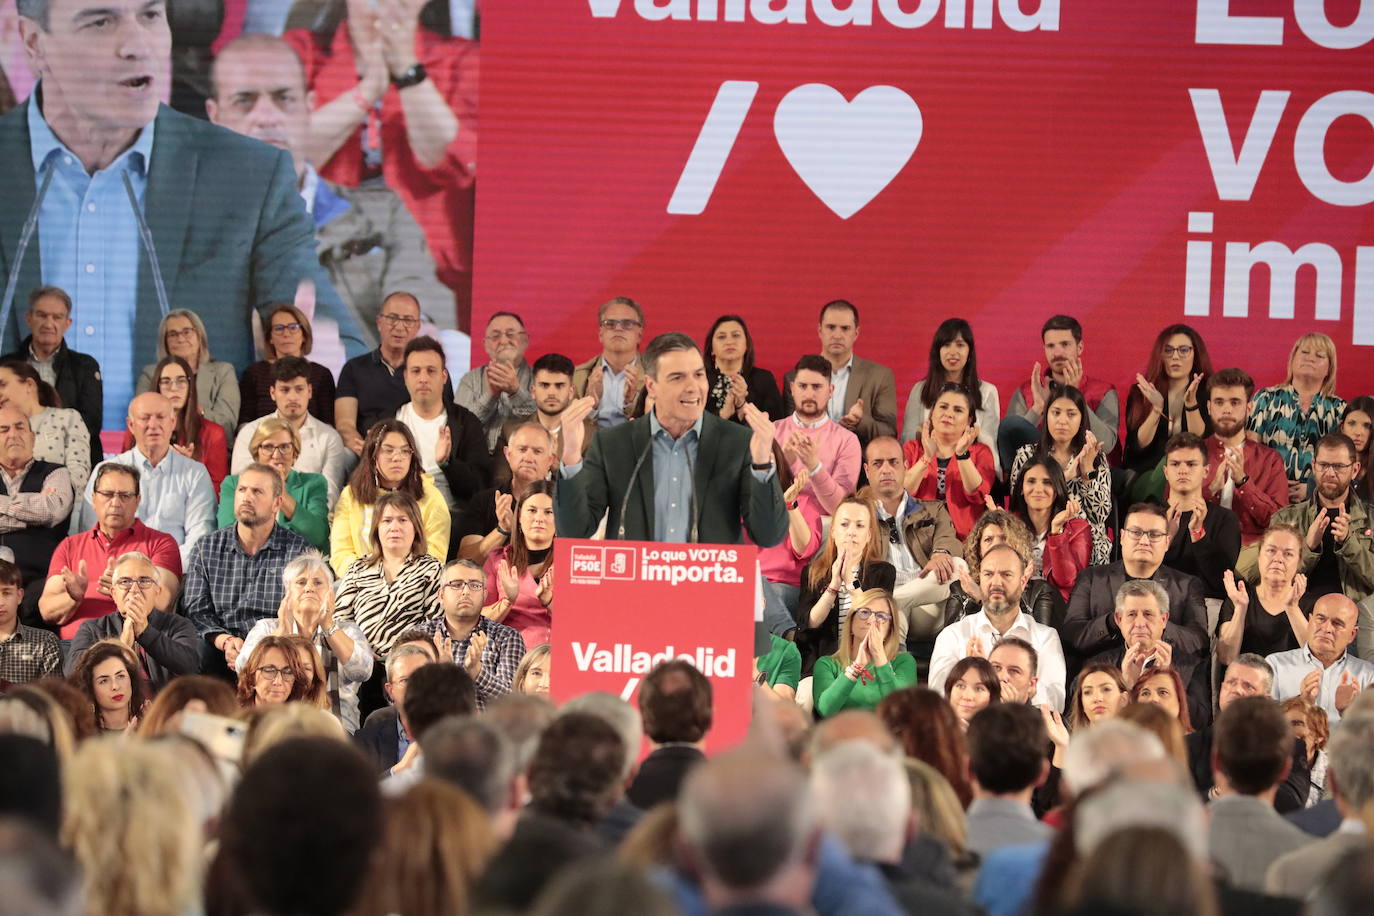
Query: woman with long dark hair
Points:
[954, 358]
[731, 375]
[1358, 423]
[1063, 542]
[950, 463]
[111, 679]
[193, 435]
[1065, 437]
[390, 461]
[1169, 397]
[520, 575]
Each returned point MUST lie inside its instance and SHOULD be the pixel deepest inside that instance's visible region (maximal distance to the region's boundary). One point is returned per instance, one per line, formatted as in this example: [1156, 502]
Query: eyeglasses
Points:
[117, 495]
[183, 334]
[1184, 350]
[402, 320]
[272, 673]
[866, 614]
[179, 381]
[284, 448]
[1142, 534]
[291, 328]
[142, 583]
[393, 451]
[1324, 466]
[465, 585]
[495, 336]
[621, 324]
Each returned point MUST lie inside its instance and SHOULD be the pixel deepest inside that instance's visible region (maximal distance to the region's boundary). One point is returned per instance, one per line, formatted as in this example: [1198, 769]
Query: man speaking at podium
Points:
[678, 474]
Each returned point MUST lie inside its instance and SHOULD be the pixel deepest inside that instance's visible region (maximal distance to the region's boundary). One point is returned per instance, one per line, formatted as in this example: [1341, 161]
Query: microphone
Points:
[634, 477]
[146, 234]
[25, 234]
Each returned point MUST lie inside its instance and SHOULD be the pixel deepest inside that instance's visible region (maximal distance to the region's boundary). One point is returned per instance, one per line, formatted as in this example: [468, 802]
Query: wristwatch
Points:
[412, 77]
[331, 631]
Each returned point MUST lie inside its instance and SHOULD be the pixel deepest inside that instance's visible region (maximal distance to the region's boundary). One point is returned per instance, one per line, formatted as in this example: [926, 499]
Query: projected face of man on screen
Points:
[99, 64]
[259, 91]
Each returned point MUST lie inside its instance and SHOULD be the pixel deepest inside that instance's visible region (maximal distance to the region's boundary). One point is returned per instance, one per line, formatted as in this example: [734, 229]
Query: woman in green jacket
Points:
[305, 503]
[868, 665]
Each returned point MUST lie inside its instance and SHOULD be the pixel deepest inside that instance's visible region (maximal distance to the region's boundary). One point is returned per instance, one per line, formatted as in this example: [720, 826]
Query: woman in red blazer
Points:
[1063, 545]
[948, 463]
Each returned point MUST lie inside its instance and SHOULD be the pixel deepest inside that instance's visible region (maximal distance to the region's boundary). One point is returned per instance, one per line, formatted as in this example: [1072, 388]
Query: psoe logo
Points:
[618, 563]
[586, 565]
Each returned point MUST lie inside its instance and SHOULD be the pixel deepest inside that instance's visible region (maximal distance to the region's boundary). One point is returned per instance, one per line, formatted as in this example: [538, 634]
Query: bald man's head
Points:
[151, 420]
[1332, 626]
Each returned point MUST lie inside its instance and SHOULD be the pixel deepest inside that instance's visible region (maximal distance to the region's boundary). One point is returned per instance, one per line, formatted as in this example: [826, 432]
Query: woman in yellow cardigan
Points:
[389, 462]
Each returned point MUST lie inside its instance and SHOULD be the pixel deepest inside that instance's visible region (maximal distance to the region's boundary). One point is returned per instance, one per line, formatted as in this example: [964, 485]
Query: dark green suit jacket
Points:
[229, 226]
[728, 493]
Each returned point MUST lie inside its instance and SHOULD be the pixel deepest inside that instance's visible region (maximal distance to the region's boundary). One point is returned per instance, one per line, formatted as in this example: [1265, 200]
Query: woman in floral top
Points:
[1291, 417]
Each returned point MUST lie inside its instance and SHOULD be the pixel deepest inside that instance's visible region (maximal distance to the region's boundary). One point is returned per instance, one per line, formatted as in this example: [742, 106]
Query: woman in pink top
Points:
[521, 574]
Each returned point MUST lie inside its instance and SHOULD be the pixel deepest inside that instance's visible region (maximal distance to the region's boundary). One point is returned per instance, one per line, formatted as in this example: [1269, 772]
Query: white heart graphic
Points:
[847, 152]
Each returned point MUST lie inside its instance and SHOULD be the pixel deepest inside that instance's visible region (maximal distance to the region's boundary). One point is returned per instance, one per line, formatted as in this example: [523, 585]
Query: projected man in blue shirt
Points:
[124, 184]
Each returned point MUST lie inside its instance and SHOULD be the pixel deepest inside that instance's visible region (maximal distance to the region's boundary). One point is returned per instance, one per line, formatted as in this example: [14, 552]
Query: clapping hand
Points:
[966, 440]
[1236, 591]
[854, 415]
[472, 659]
[505, 511]
[761, 443]
[798, 482]
[573, 426]
[1150, 392]
[545, 593]
[1040, 389]
[508, 579]
[1071, 510]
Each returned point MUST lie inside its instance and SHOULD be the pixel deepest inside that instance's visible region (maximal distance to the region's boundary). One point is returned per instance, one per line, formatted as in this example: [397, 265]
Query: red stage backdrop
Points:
[625, 606]
[1208, 161]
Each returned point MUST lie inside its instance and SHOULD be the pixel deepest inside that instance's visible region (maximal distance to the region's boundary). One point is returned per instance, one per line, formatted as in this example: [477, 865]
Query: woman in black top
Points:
[1170, 397]
[854, 559]
[1267, 618]
[731, 376]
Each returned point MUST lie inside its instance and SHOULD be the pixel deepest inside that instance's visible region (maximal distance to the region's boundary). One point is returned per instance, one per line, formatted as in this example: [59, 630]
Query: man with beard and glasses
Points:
[1338, 547]
[488, 651]
[1245, 476]
[1002, 577]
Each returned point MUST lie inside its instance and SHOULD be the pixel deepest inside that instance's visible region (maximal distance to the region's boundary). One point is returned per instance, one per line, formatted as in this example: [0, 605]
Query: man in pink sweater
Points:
[811, 441]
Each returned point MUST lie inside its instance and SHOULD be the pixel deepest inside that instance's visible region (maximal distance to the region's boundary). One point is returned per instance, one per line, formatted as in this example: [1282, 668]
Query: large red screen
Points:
[1130, 164]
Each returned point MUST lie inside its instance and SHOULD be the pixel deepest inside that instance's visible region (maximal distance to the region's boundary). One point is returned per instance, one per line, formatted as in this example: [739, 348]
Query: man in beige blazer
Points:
[865, 394]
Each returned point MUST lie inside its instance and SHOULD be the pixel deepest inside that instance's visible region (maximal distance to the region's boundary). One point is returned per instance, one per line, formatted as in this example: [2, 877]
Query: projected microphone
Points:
[692, 484]
[634, 477]
[146, 234]
[25, 234]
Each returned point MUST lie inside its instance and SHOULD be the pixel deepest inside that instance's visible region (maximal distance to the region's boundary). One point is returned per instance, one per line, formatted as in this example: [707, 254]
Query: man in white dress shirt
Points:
[1324, 672]
[322, 449]
[177, 496]
[1002, 577]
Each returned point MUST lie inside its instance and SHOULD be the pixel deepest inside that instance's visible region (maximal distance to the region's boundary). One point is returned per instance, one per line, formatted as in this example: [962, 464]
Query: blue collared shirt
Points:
[674, 460]
[611, 410]
[90, 247]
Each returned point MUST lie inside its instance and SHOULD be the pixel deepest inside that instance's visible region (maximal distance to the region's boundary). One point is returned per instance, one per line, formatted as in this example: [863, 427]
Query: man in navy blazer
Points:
[678, 474]
[227, 222]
